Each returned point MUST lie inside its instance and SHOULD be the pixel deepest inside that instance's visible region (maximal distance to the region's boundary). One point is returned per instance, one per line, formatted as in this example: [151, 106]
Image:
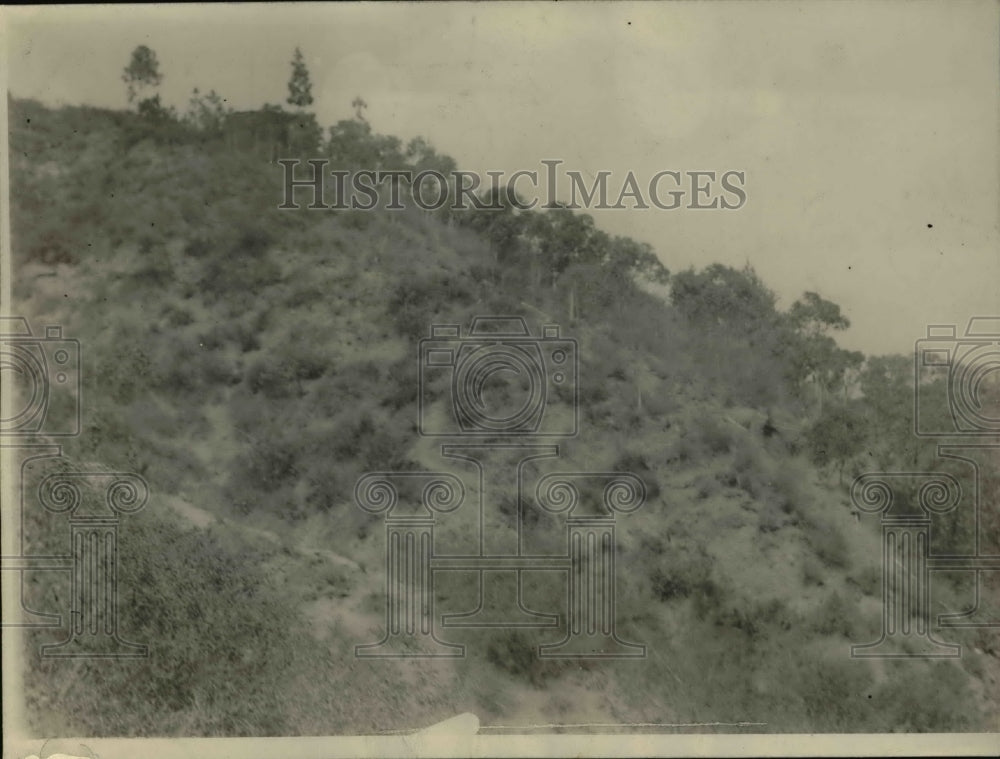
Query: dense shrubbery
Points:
[418, 298]
[242, 269]
[827, 541]
[516, 653]
[683, 572]
[221, 640]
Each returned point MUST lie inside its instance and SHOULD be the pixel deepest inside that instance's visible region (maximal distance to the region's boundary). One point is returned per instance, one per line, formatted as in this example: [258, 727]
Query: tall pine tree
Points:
[299, 86]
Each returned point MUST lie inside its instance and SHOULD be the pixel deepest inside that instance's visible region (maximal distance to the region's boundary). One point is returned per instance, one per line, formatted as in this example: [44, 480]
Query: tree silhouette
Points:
[817, 355]
[815, 315]
[837, 436]
[142, 72]
[207, 113]
[720, 296]
[299, 86]
[359, 106]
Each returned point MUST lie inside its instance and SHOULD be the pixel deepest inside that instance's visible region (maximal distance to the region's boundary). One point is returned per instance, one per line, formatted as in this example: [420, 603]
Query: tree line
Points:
[591, 273]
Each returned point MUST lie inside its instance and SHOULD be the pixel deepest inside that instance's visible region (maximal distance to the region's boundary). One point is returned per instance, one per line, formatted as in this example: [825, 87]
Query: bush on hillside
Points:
[515, 652]
[682, 572]
[221, 640]
[827, 541]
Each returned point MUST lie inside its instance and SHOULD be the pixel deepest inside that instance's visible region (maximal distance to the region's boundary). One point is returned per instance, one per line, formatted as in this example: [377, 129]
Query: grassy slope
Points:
[252, 363]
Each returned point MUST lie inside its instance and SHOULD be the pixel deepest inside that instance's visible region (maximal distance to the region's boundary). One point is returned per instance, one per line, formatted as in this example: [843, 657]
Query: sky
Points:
[868, 131]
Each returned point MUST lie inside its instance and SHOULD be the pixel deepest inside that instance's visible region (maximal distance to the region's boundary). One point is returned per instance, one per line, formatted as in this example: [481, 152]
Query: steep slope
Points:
[252, 364]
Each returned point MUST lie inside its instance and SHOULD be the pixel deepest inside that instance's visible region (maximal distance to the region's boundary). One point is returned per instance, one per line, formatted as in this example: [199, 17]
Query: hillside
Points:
[252, 364]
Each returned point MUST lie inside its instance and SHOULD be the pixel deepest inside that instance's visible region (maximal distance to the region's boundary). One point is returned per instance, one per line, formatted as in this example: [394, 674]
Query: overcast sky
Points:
[858, 124]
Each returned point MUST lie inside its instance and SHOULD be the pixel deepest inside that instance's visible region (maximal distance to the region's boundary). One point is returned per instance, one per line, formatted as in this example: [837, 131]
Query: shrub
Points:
[419, 296]
[184, 367]
[827, 541]
[154, 269]
[236, 332]
[837, 436]
[835, 617]
[834, 693]
[715, 434]
[755, 618]
[243, 268]
[787, 485]
[812, 571]
[222, 640]
[400, 388]
[591, 393]
[680, 451]
[681, 573]
[637, 463]
[273, 378]
[253, 242]
[368, 440]
[328, 486]
[931, 699]
[868, 580]
[222, 277]
[54, 246]
[746, 456]
[124, 370]
[507, 504]
[177, 317]
[772, 518]
[266, 464]
[706, 486]
[514, 652]
[216, 369]
[355, 218]
[198, 247]
[299, 358]
[381, 448]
